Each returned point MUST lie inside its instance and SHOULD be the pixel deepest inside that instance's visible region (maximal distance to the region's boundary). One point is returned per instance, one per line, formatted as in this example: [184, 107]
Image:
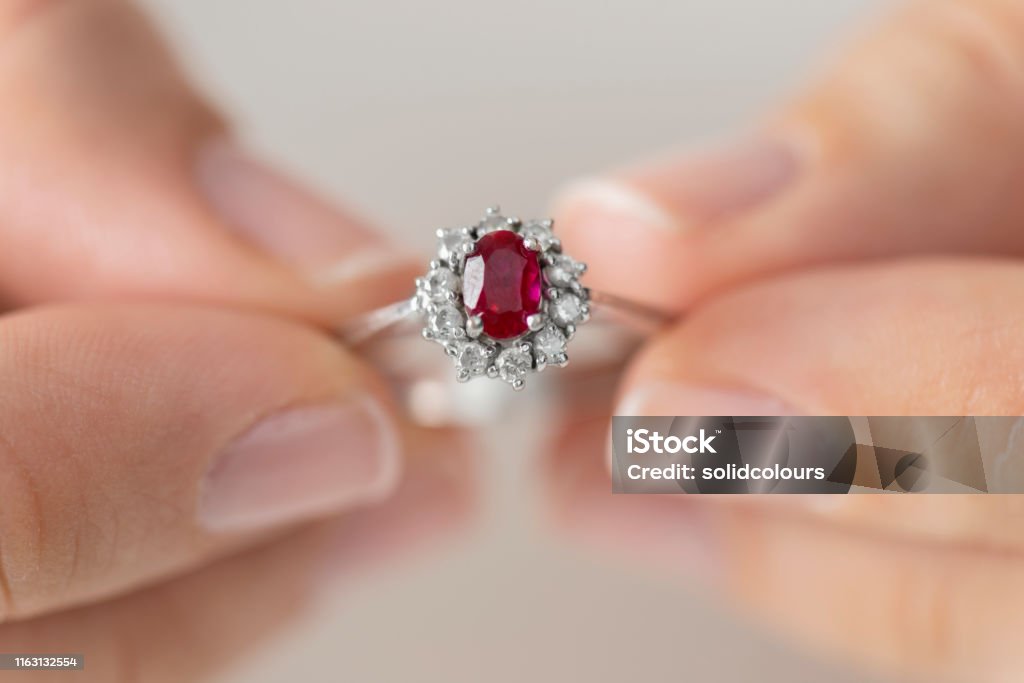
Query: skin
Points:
[134, 318]
[884, 280]
[128, 638]
[914, 585]
[913, 159]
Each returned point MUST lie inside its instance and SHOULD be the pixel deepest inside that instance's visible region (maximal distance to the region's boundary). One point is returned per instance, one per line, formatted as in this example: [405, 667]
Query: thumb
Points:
[911, 142]
[925, 586]
[139, 443]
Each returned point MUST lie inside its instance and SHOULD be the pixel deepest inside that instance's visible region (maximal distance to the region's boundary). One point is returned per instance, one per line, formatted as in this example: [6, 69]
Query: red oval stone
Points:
[501, 283]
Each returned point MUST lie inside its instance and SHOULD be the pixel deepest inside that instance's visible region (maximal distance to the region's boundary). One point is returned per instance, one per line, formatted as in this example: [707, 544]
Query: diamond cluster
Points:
[548, 327]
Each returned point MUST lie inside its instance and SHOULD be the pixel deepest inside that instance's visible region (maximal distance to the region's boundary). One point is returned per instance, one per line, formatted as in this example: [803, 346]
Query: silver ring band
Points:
[390, 319]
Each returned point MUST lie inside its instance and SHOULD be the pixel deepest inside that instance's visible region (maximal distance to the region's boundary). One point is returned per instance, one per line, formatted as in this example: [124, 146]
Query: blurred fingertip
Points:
[594, 204]
[279, 217]
[667, 398]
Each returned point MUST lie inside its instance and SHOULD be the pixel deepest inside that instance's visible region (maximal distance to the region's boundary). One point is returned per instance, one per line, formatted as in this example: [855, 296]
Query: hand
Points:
[859, 256]
[169, 395]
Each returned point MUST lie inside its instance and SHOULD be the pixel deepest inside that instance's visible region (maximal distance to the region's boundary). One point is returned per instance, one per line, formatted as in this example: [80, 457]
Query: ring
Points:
[502, 300]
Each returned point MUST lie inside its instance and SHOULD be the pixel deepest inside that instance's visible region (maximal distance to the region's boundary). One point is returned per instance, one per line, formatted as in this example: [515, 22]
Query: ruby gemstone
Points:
[502, 284]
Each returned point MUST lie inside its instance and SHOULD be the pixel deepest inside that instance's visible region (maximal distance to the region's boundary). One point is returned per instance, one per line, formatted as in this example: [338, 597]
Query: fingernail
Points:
[301, 464]
[683, 193]
[665, 399]
[276, 215]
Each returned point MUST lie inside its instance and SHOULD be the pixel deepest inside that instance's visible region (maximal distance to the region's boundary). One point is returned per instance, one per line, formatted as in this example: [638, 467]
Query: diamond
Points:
[562, 271]
[540, 231]
[440, 283]
[566, 309]
[492, 222]
[447, 322]
[549, 343]
[451, 244]
[502, 284]
[474, 358]
[513, 363]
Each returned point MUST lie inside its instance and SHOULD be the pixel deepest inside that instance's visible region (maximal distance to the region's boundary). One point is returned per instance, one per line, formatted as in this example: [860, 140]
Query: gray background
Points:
[421, 113]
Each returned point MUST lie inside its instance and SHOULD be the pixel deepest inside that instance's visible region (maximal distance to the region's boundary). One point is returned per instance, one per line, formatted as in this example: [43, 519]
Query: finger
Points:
[119, 180]
[864, 340]
[580, 502]
[867, 340]
[194, 627]
[920, 607]
[141, 441]
[871, 340]
[910, 143]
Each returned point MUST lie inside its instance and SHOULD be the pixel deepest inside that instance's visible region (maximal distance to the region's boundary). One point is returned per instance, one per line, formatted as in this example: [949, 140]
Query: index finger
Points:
[120, 181]
[907, 144]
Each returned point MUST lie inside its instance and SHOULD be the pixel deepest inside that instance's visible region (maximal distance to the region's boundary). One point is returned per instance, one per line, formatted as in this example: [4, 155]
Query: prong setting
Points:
[564, 304]
[474, 326]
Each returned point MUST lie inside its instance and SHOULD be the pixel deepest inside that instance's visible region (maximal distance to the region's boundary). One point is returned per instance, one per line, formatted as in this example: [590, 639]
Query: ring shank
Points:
[363, 328]
[639, 318]
[389, 338]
